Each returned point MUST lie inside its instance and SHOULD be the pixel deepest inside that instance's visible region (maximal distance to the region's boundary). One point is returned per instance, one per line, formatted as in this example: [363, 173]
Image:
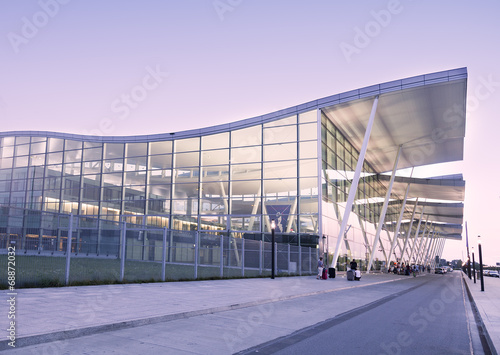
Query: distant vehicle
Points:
[440, 270]
[493, 273]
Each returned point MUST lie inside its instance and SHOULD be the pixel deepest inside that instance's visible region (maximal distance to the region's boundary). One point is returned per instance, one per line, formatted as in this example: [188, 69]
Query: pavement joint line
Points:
[132, 323]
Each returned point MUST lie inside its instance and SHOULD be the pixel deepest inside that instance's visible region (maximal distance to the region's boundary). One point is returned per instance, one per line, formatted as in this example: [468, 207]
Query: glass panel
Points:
[111, 193]
[135, 178]
[280, 134]
[20, 162]
[283, 187]
[55, 145]
[22, 149]
[187, 145]
[246, 155]
[280, 152]
[19, 173]
[113, 179]
[212, 173]
[308, 149]
[159, 206]
[38, 148]
[113, 150]
[92, 154]
[6, 152]
[72, 168]
[310, 116]
[276, 170]
[136, 149]
[91, 167]
[213, 222]
[92, 145]
[213, 206]
[215, 141]
[72, 145]
[245, 189]
[247, 136]
[246, 171]
[308, 132]
[215, 157]
[22, 140]
[249, 223]
[160, 191]
[113, 165]
[185, 174]
[7, 141]
[187, 159]
[308, 167]
[282, 122]
[189, 207]
[72, 156]
[214, 189]
[244, 206]
[160, 176]
[54, 158]
[6, 163]
[5, 174]
[160, 147]
[160, 161]
[188, 190]
[136, 163]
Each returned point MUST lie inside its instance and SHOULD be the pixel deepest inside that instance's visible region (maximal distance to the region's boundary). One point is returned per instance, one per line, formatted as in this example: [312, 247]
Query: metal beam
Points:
[355, 180]
[408, 233]
[398, 225]
[384, 209]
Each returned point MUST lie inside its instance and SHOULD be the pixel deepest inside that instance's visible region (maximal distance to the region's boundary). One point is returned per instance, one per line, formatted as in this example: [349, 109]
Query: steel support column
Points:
[398, 225]
[416, 234]
[355, 181]
[384, 209]
[408, 233]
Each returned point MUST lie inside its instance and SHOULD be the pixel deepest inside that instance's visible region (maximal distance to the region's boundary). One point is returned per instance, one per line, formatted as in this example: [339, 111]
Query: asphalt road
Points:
[430, 317]
[422, 315]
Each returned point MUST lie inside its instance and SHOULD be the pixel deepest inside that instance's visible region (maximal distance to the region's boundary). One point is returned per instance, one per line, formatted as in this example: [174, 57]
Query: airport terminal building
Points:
[326, 172]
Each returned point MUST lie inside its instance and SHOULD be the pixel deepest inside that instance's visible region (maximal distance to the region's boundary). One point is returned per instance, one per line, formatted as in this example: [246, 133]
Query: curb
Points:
[483, 331]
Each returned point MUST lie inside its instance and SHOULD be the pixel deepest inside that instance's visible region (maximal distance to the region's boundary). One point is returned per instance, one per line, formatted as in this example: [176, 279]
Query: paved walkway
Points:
[52, 314]
[488, 305]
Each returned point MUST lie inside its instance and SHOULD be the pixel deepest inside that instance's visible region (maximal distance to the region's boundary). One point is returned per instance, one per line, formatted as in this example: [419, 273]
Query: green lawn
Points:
[49, 271]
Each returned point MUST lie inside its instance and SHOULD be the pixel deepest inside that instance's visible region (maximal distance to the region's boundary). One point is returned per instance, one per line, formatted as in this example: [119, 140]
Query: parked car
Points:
[492, 273]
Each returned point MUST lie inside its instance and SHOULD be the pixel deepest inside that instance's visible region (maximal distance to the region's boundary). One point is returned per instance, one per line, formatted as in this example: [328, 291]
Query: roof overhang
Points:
[425, 115]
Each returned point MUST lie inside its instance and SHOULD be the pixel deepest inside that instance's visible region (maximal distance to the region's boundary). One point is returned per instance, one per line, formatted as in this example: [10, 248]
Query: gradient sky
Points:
[153, 66]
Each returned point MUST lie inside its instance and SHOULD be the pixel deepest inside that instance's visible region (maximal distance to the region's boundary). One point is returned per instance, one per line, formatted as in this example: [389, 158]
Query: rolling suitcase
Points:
[324, 276]
[350, 275]
[331, 272]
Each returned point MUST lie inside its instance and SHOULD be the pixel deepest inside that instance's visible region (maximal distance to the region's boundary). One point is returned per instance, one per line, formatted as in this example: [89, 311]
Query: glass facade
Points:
[233, 182]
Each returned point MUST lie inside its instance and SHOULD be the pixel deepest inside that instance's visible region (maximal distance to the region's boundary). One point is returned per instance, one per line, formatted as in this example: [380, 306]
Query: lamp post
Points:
[474, 264]
[273, 226]
[480, 262]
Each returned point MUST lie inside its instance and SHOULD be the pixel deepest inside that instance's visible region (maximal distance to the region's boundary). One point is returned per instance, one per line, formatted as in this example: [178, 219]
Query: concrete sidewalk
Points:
[51, 314]
[487, 303]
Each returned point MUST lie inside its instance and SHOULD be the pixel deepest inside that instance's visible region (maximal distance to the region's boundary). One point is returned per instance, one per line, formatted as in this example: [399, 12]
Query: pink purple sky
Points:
[153, 66]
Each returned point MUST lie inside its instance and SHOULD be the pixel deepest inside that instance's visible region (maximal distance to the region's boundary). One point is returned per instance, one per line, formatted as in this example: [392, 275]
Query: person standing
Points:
[320, 268]
[353, 265]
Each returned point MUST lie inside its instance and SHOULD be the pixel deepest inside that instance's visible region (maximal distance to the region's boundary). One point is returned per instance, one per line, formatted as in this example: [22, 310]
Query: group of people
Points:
[353, 265]
[402, 269]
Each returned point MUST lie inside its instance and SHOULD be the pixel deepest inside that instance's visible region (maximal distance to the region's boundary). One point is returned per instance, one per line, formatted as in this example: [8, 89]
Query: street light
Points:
[480, 262]
[273, 226]
[474, 264]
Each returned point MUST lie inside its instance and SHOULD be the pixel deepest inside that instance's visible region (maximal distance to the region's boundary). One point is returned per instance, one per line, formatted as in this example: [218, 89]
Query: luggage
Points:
[324, 276]
[350, 275]
[331, 272]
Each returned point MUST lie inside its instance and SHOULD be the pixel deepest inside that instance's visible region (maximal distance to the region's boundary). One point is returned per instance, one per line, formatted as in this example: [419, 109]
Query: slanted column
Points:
[417, 255]
[416, 234]
[398, 225]
[429, 247]
[408, 233]
[355, 181]
[384, 209]
[420, 256]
